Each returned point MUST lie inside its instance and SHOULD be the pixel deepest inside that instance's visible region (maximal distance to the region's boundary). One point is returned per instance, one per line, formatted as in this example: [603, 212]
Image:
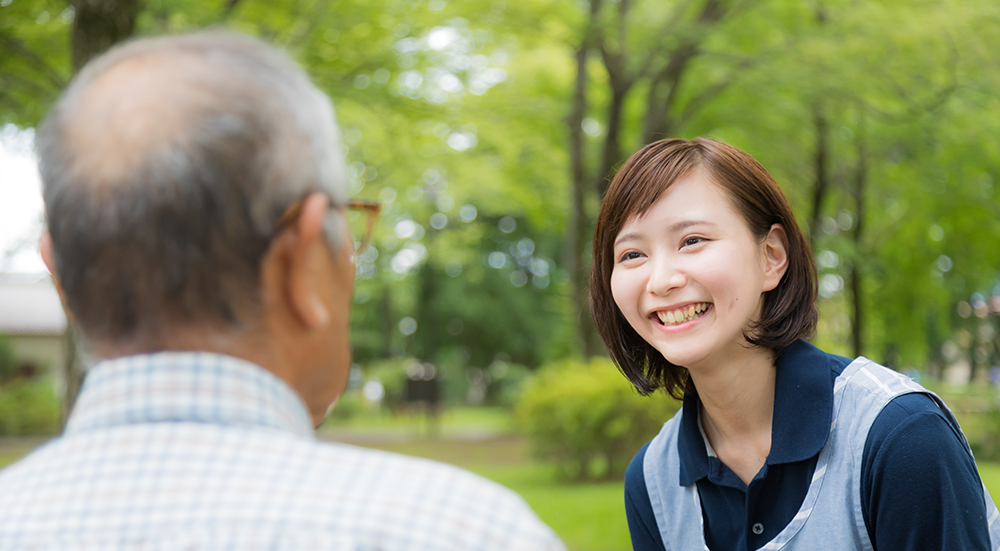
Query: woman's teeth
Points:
[683, 315]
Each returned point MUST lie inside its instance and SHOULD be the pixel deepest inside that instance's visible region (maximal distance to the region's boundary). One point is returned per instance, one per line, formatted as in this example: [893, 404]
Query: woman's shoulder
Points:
[635, 478]
[638, 509]
[874, 377]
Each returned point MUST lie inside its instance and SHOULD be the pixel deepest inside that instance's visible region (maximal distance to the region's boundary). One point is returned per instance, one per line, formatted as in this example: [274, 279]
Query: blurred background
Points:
[490, 129]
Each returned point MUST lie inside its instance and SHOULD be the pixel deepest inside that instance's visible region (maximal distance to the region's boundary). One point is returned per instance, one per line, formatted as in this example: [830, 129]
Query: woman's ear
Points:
[775, 248]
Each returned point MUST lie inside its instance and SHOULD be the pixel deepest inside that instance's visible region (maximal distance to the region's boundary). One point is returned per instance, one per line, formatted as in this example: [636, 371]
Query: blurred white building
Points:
[32, 317]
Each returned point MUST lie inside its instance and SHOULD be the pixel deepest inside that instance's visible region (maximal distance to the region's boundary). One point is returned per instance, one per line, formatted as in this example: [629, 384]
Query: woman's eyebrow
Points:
[627, 237]
[685, 224]
[676, 227]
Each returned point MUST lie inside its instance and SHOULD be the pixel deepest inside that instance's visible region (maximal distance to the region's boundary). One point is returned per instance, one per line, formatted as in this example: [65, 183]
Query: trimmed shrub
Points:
[506, 381]
[588, 418]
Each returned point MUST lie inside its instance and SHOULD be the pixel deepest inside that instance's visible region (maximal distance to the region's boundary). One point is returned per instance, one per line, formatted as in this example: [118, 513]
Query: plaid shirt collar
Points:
[186, 387]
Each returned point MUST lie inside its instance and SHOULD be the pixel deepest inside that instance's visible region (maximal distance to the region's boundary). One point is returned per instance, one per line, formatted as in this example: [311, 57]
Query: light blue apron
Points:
[830, 516]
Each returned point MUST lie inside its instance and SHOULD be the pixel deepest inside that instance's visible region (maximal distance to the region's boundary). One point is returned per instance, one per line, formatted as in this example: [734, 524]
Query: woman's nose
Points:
[665, 277]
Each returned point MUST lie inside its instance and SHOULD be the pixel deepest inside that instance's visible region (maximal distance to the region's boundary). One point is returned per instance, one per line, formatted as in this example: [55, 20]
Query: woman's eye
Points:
[689, 241]
[630, 255]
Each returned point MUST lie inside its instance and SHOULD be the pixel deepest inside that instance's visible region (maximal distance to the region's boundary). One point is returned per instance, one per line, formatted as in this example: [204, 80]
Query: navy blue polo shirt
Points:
[920, 488]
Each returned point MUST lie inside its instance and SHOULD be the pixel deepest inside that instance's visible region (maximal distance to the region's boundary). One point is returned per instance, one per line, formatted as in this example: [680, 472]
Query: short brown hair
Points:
[788, 311]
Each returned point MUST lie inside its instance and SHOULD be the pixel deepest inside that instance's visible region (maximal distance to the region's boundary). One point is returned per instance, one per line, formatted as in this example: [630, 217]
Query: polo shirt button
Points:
[758, 528]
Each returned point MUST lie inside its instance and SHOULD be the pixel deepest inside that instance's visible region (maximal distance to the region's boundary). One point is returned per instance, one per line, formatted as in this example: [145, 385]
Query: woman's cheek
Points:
[625, 289]
[619, 290]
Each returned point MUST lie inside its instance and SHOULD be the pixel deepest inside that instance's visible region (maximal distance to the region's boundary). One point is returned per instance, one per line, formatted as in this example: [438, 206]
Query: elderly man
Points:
[195, 194]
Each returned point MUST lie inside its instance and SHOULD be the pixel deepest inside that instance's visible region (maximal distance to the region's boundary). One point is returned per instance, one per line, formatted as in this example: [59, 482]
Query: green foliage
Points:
[477, 118]
[392, 374]
[34, 57]
[984, 434]
[588, 419]
[28, 407]
[349, 405]
[506, 383]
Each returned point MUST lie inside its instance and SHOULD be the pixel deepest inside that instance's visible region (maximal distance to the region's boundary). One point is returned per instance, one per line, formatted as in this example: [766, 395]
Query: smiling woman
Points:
[704, 286]
[743, 201]
[705, 260]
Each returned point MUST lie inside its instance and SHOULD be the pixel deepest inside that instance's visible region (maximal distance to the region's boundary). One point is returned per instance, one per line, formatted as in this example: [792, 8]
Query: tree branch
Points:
[621, 82]
[667, 82]
[711, 92]
[917, 107]
[19, 48]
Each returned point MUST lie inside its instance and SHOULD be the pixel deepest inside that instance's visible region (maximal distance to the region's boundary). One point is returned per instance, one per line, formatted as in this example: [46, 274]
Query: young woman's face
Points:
[689, 275]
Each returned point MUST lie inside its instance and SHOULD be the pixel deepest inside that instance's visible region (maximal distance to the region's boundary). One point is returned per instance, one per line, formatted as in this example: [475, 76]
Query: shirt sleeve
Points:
[638, 510]
[920, 489]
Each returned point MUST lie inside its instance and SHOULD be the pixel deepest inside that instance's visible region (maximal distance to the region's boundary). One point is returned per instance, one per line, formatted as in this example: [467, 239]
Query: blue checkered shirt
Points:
[200, 451]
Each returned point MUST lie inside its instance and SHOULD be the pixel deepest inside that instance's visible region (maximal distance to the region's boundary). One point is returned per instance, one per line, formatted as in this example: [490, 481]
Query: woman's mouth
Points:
[681, 315]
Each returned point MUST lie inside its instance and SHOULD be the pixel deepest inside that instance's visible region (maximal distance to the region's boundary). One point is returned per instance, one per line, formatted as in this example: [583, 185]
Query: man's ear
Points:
[775, 248]
[296, 277]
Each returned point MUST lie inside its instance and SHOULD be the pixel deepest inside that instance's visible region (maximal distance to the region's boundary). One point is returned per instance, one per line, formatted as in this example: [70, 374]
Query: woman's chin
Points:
[686, 358]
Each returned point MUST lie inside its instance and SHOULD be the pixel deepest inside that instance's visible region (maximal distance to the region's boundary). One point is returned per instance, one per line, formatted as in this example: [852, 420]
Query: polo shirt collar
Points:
[803, 410]
[186, 387]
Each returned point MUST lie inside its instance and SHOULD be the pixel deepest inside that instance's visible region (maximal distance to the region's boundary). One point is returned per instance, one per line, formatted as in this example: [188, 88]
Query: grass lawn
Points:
[990, 473]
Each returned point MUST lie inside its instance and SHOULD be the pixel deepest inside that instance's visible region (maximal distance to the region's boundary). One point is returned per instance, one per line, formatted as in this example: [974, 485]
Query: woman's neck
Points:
[737, 408]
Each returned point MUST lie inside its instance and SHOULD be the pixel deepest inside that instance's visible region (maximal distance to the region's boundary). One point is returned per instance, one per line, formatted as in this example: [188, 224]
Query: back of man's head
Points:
[165, 166]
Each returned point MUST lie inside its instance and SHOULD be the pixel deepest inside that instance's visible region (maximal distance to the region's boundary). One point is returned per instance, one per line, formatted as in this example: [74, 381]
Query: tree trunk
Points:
[578, 229]
[612, 141]
[662, 95]
[424, 307]
[857, 291]
[821, 167]
[99, 24]
[822, 154]
[388, 324]
[620, 82]
[935, 359]
[665, 86]
[973, 355]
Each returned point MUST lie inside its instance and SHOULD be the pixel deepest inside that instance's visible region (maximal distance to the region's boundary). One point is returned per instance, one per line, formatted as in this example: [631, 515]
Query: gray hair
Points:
[162, 205]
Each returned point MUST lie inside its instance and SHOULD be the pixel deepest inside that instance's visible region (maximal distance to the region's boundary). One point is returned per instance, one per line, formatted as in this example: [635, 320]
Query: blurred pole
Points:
[72, 373]
[97, 25]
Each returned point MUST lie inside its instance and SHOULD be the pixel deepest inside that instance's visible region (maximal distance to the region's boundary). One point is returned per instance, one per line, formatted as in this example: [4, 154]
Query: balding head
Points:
[165, 166]
[137, 108]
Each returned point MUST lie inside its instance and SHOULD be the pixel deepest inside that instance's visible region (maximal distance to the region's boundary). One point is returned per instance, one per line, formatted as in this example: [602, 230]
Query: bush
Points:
[588, 418]
[28, 407]
[506, 382]
[350, 405]
[391, 372]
